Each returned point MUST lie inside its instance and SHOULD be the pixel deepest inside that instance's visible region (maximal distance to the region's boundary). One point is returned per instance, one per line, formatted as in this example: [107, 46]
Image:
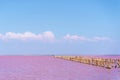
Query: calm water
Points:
[50, 68]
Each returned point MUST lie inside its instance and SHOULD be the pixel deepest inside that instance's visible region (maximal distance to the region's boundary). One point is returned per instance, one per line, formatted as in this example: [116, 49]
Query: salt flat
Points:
[50, 68]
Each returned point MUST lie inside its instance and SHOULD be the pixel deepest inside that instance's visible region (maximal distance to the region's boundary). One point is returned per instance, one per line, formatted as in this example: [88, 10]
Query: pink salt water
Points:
[50, 68]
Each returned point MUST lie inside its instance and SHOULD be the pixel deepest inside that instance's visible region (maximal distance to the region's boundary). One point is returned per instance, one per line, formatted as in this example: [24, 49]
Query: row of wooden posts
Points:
[108, 63]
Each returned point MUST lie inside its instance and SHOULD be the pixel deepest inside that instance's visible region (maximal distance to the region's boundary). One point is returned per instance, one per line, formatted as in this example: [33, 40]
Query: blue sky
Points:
[64, 27]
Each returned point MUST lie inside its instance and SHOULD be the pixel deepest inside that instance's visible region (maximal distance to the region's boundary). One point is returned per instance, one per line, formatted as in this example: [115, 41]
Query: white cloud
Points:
[48, 35]
[82, 38]
[101, 38]
[45, 36]
[74, 37]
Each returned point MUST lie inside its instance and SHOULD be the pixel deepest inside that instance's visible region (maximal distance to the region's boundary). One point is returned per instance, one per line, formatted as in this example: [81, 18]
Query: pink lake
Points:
[50, 68]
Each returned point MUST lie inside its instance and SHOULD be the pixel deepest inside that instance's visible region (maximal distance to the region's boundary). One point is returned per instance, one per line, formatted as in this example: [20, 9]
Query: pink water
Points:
[50, 68]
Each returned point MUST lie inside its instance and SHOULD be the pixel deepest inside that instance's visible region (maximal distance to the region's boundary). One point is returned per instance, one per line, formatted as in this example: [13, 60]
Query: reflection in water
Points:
[115, 73]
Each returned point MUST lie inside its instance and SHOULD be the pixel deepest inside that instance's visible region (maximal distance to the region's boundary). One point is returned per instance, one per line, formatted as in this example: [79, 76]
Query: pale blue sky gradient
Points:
[87, 18]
